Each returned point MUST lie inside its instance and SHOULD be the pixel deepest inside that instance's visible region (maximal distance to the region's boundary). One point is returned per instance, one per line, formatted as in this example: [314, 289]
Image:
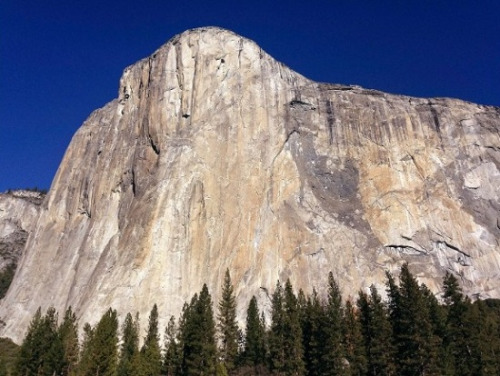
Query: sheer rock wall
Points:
[216, 156]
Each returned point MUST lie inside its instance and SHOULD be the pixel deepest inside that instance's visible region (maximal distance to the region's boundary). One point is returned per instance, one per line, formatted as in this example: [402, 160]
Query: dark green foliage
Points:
[437, 319]
[285, 335]
[86, 350]
[129, 346]
[227, 326]
[472, 337]
[416, 345]
[6, 277]
[452, 294]
[148, 361]
[254, 352]
[172, 360]
[276, 336]
[3, 368]
[313, 322]
[100, 347]
[472, 331]
[41, 352]
[333, 358]
[105, 343]
[411, 334]
[485, 338]
[458, 360]
[294, 352]
[68, 334]
[377, 333]
[8, 353]
[353, 342]
[198, 336]
[437, 313]
[29, 356]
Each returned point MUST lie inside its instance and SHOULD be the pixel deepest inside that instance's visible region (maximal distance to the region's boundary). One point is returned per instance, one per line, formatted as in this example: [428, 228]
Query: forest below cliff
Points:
[412, 332]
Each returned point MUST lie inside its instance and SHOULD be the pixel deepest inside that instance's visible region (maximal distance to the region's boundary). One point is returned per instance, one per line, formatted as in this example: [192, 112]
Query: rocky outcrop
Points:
[19, 210]
[216, 156]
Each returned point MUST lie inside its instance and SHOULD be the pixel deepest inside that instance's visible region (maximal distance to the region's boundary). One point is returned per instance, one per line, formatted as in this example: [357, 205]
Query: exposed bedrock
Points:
[216, 156]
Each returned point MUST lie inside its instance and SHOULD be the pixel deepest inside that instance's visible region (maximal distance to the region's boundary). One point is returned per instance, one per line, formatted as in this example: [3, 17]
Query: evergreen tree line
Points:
[411, 333]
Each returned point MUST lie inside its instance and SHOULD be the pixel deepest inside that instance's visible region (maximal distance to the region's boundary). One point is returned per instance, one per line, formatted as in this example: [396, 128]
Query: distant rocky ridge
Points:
[19, 211]
[216, 156]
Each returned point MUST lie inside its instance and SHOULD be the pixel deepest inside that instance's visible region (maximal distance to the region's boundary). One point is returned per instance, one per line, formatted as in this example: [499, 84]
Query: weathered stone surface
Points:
[216, 156]
[19, 212]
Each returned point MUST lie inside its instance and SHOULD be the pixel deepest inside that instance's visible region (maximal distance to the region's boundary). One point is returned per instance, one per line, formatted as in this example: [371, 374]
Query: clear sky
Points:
[60, 60]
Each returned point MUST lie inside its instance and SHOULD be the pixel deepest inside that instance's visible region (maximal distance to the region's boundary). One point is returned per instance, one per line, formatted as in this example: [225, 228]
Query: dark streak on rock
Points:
[132, 182]
[435, 118]
[330, 118]
[451, 246]
[296, 102]
[154, 146]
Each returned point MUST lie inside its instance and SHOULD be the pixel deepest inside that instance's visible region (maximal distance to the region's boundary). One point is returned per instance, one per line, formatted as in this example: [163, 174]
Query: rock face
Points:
[216, 156]
[19, 212]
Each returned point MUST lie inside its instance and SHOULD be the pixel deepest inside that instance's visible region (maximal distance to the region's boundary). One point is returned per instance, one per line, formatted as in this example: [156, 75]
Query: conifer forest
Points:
[411, 332]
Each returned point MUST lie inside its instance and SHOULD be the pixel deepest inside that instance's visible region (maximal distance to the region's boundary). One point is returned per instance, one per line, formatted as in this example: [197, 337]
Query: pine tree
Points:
[487, 339]
[172, 358]
[437, 313]
[54, 350]
[377, 333]
[29, 356]
[292, 339]
[455, 340]
[313, 323]
[394, 303]
[437, 318]
[452, 292]
[416, 345]
[334, 356]
[353, 342]
[149, 360]
[473, 330]
[276, 337]
[86, 353]
[254, 350]
[305, 323]
[198, 338]
[103, 346]
[185, 331]
[68, 333]
[227, 326]
[129, 346]
[41, 352]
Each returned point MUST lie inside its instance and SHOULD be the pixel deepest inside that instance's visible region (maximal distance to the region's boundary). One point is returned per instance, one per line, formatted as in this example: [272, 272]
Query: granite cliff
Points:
[216, 156]
[19, 212]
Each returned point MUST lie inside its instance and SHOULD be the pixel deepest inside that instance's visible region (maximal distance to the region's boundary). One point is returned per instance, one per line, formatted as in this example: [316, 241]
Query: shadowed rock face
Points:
[19, 211]
[216, 156]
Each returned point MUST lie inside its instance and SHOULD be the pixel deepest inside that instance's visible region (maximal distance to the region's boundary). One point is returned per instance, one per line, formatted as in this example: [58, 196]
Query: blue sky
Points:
[60, 60]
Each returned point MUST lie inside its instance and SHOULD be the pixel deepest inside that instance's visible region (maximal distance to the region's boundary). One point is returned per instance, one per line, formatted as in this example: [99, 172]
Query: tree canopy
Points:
[412, 332]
